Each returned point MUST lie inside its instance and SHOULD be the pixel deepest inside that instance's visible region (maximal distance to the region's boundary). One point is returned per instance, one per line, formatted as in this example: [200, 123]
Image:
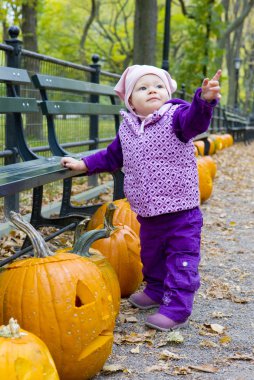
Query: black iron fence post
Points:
[13, 60]
[182, 91]
[94, 119]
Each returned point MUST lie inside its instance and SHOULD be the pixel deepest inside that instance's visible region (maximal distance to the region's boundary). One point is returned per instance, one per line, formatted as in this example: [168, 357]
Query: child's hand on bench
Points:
[73, 164]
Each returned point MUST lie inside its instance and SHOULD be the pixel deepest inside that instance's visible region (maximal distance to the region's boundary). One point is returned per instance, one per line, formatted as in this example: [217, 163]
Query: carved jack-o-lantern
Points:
[63, 299]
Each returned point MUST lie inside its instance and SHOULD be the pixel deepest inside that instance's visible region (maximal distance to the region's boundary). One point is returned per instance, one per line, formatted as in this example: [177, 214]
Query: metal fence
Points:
[73, 132]
[35, 128]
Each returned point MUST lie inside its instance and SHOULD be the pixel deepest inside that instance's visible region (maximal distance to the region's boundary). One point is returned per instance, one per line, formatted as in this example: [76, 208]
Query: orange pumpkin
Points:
[200, 147]
[24, 356]
[211, 165]
[123, 215]
[217, 141]
[211, 146]
[63, 299]
[82, 248]
[229, 139]
[205, 180]
[122, 249]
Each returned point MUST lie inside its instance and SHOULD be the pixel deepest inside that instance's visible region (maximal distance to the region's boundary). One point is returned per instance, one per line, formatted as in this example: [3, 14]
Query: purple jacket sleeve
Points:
[107, 160]
[191, 119]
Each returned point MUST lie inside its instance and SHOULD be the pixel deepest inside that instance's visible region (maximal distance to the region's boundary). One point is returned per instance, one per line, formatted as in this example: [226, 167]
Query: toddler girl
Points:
[155, 148]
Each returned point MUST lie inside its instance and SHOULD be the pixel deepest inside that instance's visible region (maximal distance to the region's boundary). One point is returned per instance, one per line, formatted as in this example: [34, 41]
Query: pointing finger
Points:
[217, 75]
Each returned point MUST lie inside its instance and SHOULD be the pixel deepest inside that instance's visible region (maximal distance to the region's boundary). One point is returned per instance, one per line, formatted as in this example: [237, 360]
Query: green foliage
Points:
[189, 42]
[61, 24]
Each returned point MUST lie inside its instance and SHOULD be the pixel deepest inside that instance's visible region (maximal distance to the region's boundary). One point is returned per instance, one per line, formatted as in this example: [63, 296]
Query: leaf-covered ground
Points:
[219, 343]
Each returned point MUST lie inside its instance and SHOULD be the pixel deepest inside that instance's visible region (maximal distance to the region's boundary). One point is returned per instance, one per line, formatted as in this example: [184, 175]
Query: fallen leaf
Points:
[217, 328]
[107, 369]
[157, 367]
[208, 344]
[165, 355]
[175, 337]
[131, 319]
[225, 339]
[204, 368]
[181, 371]
[136, 350]
[220, 314]
[241, 357]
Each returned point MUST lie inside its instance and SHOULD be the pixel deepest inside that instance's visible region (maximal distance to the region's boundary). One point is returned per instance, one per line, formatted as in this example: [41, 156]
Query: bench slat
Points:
[27, 175]
[75, 108]
[13, 75]
[59, 83]
[23, 105]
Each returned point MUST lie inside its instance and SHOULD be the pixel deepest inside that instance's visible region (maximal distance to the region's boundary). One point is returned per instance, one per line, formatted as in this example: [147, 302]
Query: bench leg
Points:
[118, 177]
[67, 207]
[60, 222]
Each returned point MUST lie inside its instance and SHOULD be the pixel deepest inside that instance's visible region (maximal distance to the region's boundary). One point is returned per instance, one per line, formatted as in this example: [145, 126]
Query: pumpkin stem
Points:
[108, 219]
[82, 245]
[81, 228]
[39, 245]
[12, 330]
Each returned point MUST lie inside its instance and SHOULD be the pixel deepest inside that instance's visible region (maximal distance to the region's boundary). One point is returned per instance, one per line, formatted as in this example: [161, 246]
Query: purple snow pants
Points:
[170, 253]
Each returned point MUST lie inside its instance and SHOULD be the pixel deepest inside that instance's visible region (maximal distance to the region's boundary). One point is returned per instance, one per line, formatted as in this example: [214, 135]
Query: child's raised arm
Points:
[211, 88]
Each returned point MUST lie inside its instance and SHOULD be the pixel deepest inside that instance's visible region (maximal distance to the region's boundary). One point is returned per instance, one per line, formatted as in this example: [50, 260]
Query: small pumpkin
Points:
[211, 146]
[82, 243]
[63, 299]
[217, 141]
[123, 215]
[122, 249]
[200, 145]
[230, 139]
[227, 140]
[211, 165]
[23, 355]
[205, 180]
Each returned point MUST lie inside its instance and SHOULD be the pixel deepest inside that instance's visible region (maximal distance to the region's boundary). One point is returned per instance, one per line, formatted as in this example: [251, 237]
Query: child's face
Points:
[148, 95]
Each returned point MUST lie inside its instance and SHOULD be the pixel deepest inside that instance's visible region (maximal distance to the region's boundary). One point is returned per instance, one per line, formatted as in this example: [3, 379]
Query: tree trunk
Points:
[34, 122]
[231, 40]
[145, 31]
[87, 25]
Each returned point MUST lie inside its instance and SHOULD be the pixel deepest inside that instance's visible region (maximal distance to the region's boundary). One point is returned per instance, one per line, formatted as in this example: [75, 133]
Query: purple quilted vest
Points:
[160, 171]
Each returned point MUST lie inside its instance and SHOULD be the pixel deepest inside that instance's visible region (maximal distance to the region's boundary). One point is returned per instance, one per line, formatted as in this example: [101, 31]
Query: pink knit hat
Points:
[131, 75]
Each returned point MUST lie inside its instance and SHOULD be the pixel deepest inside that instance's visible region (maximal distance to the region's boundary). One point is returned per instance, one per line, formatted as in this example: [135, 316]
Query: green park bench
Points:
[52, 109]
[36, 171]
[237, 125]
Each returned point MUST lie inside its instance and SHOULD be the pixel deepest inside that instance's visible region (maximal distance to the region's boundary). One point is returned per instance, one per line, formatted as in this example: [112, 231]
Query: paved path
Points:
[219, 344]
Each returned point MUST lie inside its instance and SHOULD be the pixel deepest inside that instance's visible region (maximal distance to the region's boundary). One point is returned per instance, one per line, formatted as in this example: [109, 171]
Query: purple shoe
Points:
[142, 301]
[161, 322]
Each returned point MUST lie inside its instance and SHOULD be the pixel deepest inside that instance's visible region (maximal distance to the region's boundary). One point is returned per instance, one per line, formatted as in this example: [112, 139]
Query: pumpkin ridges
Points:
[205, 181]
[122, 216]
[129, 273]
[5, 286]
[51, 334]
[211, 165]
[74, 286]
[96, 284]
